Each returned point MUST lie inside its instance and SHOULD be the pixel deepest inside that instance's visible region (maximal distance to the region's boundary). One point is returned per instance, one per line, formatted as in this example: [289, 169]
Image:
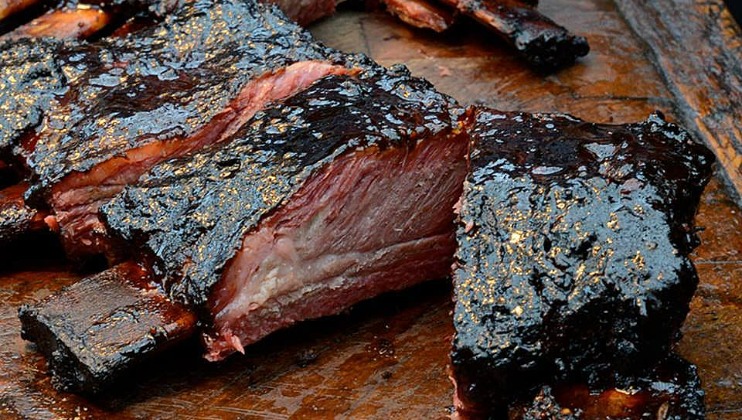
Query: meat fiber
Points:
[343, 192]
[165, 92]
[573, 251]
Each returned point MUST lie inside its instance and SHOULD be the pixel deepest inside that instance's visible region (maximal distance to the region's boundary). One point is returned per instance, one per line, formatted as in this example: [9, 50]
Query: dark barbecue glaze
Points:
[97, 329]
[159, 93]
[165, 82]
[30, 79]
[541, 42]
[191, 214]
[35, 72]
[573, 250]
[17, 219]
[671, 390]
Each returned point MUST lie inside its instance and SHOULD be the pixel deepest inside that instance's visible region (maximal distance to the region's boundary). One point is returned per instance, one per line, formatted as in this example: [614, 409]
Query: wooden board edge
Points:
[697, 48]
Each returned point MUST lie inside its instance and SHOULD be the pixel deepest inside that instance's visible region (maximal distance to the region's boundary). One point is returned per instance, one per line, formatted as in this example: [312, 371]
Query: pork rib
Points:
[541, 42]
[341, 193]
[151, 98]
[573, 251]
[96, 330]
[305, 204]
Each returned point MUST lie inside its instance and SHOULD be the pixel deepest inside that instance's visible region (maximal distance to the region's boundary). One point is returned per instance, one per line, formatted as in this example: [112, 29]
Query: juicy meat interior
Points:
[373, 221]
[77, 198]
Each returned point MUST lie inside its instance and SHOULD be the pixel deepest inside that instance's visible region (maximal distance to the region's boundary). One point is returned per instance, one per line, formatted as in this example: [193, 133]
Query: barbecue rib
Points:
[270, 179]
[151, 98]
[262, 179]
[573, 250]
[96, 330]
[541, 42]
[343, 192]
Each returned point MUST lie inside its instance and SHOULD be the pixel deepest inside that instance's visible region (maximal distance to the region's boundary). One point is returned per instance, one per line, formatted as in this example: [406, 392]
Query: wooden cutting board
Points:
[387, 358]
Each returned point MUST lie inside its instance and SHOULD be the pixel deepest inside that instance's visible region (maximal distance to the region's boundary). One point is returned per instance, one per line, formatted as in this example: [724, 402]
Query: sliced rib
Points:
[573, 251]
[541, 42]
[343, 192]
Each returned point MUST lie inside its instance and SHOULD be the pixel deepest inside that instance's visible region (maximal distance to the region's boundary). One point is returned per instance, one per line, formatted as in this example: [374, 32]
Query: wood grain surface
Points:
[387, 358]
[697, 46]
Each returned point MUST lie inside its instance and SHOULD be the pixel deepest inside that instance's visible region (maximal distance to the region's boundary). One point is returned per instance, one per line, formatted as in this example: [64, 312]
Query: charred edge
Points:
[670, 390]
[421, 14]
[95, 331]
[544, 44]
[75, 23]
[17, 219]
[573, 251]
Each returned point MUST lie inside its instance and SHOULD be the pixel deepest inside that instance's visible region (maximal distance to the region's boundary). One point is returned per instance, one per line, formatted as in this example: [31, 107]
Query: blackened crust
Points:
[191, 214]
[96, 330]
[163, 82]
[573, 250]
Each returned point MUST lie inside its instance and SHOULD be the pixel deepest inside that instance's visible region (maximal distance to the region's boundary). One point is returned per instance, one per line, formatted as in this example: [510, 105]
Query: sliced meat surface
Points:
[164, 92]
[573, 249]
[421, 14]
[341, 193]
